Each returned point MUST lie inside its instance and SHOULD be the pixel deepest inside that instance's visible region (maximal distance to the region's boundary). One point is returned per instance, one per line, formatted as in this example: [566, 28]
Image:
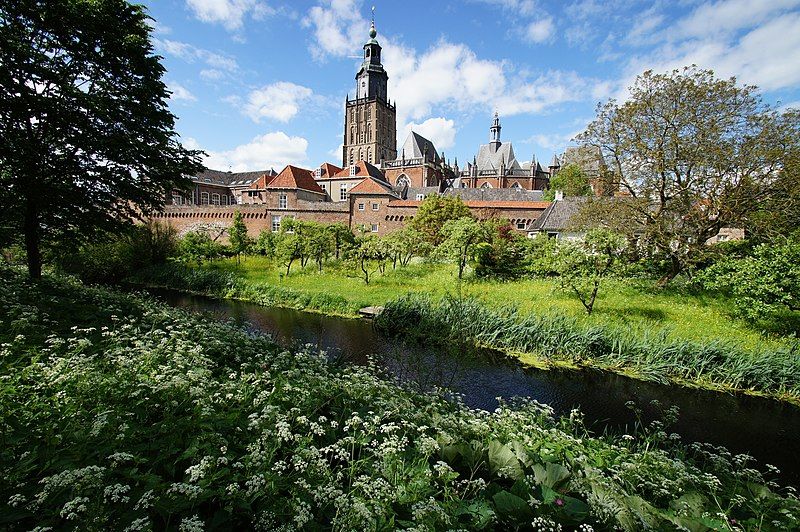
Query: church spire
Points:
[494, 132]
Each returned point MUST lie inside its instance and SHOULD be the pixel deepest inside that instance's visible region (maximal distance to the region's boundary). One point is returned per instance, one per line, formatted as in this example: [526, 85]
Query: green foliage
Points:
[406, 244]
[197, 247]
[582, 265]
[461, 238]
[80, 87]
[434, 212]
[764, 284]
[571, 181]
[117, 256]
[342, 238]
[647, 355]
[239, 241]
[266, 243]
[120, 412]
[368, 256]
[541, 256]
[504, 256]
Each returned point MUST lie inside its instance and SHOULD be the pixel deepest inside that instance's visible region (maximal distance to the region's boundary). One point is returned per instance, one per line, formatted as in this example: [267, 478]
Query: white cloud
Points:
[726, 16]
[279, 101]
[271, 150]
[229, 13]
[766, 56]
[540, 30]
[338, 28]
[440, 131]
[211, 74]
[179, 92]
[192, 54]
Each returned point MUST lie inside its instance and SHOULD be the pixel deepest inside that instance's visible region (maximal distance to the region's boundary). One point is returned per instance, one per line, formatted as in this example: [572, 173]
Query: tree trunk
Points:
[674, 270]
[32, 240]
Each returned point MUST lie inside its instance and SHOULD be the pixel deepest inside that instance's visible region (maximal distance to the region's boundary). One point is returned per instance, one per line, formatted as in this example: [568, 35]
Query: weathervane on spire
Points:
[372, 31]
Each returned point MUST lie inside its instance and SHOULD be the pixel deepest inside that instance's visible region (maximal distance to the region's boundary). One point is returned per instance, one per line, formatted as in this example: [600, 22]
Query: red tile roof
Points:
[294, 177]
[329, 170]
[363, 169]
[370, 185]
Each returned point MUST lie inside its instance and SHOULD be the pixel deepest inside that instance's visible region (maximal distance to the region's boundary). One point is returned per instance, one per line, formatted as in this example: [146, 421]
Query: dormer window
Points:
[353, 170]
[318, 173]
[420, 197]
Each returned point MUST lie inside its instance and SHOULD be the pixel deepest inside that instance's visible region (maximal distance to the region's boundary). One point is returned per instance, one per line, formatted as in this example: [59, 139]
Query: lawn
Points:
[632, 304]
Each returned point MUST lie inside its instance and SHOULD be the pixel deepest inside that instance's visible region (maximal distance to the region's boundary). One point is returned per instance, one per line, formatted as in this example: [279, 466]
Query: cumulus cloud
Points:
[540, 30]
[271, 150]
[229, 13]
[193, 54]
[179, 92]
[440, 131]
[280, 101]
[338, 28]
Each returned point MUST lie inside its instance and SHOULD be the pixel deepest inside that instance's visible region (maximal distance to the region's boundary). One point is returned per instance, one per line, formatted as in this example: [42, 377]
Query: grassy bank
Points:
[119, 412]
[677, 313]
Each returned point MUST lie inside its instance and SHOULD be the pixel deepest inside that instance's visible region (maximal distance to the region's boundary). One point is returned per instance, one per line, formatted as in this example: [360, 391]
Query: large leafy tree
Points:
[434, 212]
[571, 180]
[698, 153]
[88, 141]
[462, 236]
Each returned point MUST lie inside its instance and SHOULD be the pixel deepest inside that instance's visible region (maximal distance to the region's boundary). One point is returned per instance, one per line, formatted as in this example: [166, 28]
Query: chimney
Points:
[559, 195]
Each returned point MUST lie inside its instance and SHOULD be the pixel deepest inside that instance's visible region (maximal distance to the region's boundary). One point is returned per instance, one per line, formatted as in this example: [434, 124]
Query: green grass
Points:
[632, 305]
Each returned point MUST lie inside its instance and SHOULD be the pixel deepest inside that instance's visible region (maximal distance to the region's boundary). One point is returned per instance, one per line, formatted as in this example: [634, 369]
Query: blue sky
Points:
[261, 84]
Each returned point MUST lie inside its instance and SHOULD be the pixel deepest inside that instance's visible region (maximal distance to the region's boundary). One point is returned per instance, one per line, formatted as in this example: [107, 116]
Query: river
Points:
[765, 429]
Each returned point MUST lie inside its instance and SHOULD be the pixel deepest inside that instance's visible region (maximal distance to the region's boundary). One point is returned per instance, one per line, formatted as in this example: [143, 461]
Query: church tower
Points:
[370, 130]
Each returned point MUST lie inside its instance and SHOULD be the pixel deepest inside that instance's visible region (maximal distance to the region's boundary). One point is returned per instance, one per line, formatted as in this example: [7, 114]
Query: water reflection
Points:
[765, 429]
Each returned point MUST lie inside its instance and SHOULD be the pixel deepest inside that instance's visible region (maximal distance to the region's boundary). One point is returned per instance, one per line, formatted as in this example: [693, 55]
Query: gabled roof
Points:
[414, 147]
[370, 185]
[294, 177]
[363, 169]
[329, 170]
[491, 158]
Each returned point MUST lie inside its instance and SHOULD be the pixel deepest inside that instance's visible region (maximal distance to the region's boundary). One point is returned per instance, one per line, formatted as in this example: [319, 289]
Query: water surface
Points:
[764, 428]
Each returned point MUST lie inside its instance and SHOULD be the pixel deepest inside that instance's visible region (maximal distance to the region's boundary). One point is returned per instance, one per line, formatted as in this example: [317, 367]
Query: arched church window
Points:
[516, 186]
[486, 185]
[403, 181]
[369, 155]
[351, 155]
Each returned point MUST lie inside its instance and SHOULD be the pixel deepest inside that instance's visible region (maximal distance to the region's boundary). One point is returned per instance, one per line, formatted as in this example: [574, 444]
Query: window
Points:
[486, 185]
[353, 170]
[343, 192]
[235, 200]
[204, 198]
[552, 235]
[375, 206]
[521, 226]
[722, 238]
[516, 186]
[360, 206]
[215, 198]
[420, 197]
[225, 200]
[318, 172]
[276, 224]
[177, 199]
[402, 181]
[282, 201]
[374, 228]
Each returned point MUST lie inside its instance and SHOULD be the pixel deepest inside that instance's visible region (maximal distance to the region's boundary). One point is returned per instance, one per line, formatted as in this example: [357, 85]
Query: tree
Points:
[406, 243]
[289, 249]
[237, 236]
[582, 265]
[763, 284]
[461, 238]
[367, 256]
[342, 237]
[697, 152]
[571, 181]
[198, 246]
[319, 243]
[434, 212]
[88, 139]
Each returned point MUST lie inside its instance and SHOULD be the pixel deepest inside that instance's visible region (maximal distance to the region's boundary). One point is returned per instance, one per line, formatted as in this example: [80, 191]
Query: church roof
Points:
[371, 185]
[491, 158]
[414, 147]
[294, 177]
[363, 169]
